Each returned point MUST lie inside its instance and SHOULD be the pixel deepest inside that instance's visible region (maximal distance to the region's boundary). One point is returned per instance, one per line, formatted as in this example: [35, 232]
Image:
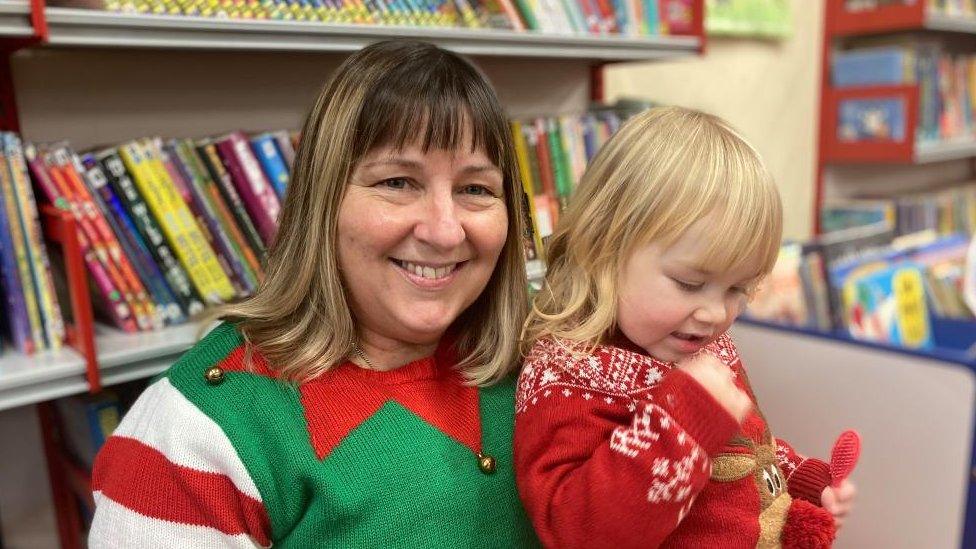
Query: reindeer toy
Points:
[783, 521]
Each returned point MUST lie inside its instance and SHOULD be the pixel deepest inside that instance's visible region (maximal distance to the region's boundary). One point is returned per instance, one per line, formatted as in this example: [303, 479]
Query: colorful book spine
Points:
[227, 251]
[19, 241]
[266, 151]
[104, 239]
[211, 158]
[15, 305]
[119, 179]
[177, 223]
[522, 155]
[189, 155]
[112, 300]
[177, 176]
[560, 165]
[283, 140]
[40, 264]
[132, 244]
[259, 199]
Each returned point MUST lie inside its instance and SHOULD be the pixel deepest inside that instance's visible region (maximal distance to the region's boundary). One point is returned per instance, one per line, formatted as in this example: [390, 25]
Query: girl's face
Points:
[670, 307]
[419, 235]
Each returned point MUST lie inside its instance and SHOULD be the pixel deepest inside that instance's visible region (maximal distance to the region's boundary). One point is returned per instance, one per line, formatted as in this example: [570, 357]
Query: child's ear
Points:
[732, 467]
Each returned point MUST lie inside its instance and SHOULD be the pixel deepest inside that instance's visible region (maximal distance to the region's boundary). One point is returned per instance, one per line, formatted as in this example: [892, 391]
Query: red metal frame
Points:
[60, 227]
[841, 22]
[886, 151]
[838, 21]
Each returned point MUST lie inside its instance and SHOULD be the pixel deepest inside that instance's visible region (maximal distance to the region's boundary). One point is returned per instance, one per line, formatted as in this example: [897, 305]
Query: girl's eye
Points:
[740, 290]
[688, 286]
[395, 183]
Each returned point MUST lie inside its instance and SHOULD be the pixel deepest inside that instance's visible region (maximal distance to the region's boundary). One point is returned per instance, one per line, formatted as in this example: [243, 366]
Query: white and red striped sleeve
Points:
[169, 477]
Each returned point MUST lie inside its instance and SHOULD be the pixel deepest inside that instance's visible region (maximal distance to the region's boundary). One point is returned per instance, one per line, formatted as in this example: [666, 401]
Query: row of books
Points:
[885, 269]
[553, 152]
[947, 210]
[946, 91]
[166, 227]
[169, 226]
[624, 17]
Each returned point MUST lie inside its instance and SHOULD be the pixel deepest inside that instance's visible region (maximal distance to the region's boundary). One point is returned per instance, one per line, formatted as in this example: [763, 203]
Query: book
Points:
[112, 301]
[148, 229]
[259, 199]
[47, 298]
[14, 304]
[177, 223]
[266, 150]
[229, 255]
[132, 243]
[19, 247]
[219, 174]
[67, 174]
[210, 191]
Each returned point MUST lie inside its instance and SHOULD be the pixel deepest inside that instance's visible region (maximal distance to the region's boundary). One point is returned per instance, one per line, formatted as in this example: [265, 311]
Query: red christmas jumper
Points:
[614, 448]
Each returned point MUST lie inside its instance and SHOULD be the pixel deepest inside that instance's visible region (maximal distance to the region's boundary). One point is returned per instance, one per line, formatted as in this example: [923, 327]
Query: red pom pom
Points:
[808, 527]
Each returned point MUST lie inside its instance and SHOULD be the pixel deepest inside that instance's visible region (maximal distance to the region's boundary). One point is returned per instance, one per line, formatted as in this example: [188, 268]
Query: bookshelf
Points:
[830, 374]
[71, 27]
[80, 30]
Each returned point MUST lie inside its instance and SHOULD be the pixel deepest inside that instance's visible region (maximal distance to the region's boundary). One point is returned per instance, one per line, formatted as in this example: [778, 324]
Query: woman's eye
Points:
[395, 183]
[476, 190]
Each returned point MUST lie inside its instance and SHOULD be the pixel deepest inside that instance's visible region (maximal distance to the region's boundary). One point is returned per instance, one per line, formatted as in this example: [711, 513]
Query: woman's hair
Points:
[665, 169]
[393, 93]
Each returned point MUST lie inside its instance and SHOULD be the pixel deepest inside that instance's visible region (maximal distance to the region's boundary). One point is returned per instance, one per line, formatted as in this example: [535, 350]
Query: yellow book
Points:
[177, 223]
[522, 155]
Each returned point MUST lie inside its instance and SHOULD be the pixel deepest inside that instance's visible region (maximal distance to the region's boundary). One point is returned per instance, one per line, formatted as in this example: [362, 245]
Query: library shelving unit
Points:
[97, 355]
[916, 410]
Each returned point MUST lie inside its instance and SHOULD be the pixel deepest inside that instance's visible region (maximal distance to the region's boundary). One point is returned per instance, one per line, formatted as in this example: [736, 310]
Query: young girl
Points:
[635, 423]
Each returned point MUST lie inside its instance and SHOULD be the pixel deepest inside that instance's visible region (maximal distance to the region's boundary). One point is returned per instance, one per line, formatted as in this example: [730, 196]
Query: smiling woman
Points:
[362, 396]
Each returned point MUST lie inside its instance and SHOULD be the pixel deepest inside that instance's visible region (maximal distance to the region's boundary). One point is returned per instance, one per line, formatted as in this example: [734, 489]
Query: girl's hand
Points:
[839, 500]
[716, 378]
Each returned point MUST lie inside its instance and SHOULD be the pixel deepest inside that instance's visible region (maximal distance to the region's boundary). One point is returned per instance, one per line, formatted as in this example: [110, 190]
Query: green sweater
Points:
[354, 458]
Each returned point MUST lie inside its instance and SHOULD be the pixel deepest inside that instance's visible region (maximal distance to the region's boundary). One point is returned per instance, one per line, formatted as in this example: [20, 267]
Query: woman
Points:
[362, 396]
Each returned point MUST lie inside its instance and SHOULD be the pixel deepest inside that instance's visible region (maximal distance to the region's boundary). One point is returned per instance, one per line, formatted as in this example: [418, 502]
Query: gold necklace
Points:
[486, 463]
[362, 354]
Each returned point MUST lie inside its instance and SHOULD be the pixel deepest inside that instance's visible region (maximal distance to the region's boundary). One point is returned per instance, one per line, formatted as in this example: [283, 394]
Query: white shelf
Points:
[950, 23]
[947, 150]
[94, 28]
[14, 19]
[122, 357]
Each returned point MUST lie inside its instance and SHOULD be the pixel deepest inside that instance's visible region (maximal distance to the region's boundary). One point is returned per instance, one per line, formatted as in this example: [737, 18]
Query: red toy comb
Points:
[843, 458]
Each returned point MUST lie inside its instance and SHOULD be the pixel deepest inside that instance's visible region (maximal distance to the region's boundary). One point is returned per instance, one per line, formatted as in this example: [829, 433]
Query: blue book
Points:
[871, 119]
[266, 150]
[651, 17]
[873, 67]
[130, 240]
[15, 309]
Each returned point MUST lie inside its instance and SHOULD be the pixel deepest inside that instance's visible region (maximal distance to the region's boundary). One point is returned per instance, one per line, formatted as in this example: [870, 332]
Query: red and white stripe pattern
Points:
[169, 477]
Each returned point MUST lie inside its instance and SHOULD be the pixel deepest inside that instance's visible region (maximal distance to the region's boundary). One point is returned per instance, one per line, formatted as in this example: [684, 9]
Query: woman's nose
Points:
[439, 224]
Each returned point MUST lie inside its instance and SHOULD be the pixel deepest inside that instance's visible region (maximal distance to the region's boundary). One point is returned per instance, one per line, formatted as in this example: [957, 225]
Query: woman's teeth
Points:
[427, 271]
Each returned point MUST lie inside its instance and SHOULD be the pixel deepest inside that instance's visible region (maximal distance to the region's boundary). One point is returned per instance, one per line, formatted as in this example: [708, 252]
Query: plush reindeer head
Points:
[758, 461]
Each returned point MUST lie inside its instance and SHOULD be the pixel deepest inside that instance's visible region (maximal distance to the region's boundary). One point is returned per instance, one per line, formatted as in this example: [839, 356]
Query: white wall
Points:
[768, 90]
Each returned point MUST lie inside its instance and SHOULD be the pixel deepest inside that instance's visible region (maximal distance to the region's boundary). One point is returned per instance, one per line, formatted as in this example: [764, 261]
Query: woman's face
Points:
[418, 238]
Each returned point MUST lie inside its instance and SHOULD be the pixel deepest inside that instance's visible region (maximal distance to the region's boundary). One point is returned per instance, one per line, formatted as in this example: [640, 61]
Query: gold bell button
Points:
[486, 463]
[214, 375]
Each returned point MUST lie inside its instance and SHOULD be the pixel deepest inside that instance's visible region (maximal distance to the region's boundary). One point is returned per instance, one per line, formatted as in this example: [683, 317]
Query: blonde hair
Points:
[665, 169]
[390, 93]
